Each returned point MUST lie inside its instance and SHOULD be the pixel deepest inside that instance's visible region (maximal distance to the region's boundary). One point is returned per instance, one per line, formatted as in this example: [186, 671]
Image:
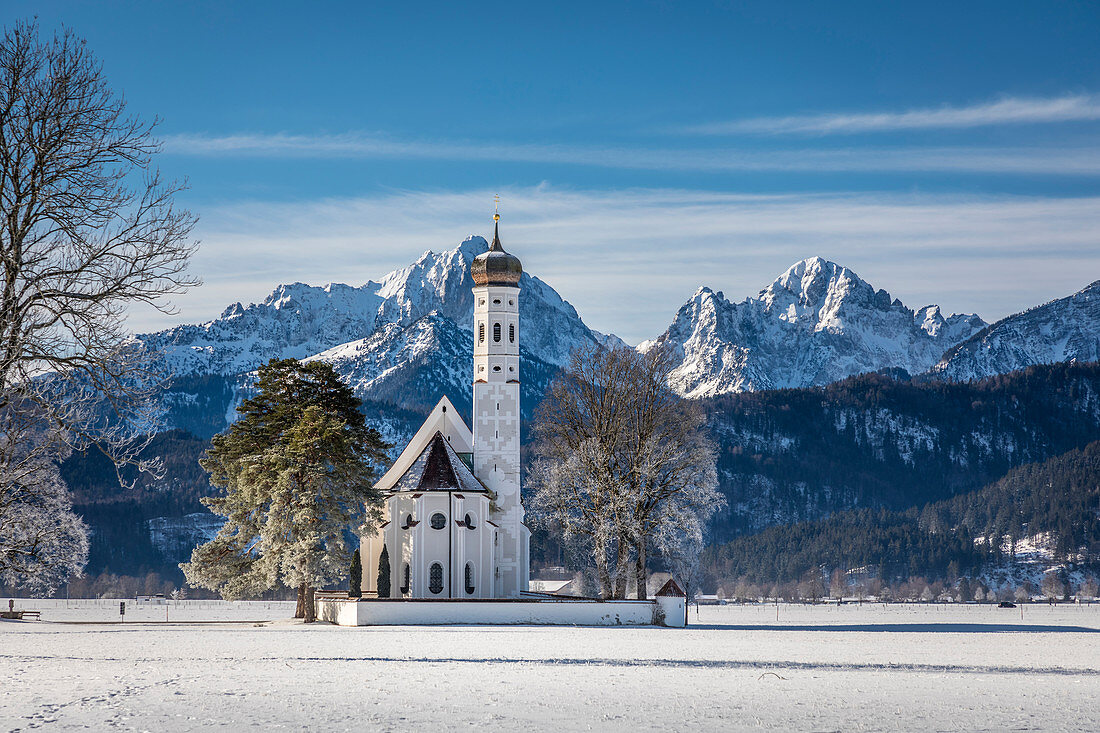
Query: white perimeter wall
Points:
[419, 613]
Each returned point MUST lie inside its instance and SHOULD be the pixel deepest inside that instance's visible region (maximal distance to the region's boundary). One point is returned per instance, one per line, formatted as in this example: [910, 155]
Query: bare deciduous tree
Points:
[622, 461]
[88, 230]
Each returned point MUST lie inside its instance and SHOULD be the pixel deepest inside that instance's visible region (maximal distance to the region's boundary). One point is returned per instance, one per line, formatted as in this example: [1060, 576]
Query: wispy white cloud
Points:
[1074, 161]
[628, 259]
[1005, 111]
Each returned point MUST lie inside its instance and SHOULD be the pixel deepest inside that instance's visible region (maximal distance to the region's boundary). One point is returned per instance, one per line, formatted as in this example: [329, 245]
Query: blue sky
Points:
[948, 154]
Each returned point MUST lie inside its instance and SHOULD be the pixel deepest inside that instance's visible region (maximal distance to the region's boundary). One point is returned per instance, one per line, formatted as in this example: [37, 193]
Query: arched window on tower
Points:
[512, 332]
[481, 333]
[496, 332]
[406, 580]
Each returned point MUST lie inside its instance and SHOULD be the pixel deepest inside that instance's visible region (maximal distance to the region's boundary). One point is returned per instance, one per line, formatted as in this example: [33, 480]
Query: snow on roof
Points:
[442, 420]
[438, 468]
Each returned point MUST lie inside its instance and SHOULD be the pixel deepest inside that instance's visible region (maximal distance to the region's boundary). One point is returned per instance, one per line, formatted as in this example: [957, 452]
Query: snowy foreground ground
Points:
[902, 667]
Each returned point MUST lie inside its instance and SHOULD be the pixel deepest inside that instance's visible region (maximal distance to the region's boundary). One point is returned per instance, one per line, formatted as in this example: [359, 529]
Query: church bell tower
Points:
[496, 415]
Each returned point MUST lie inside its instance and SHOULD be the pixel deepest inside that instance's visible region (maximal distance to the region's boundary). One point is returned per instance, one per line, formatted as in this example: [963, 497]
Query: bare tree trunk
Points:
[603, 577]
[300, 611]
[311, 605]
[640, 566]
[622, 565]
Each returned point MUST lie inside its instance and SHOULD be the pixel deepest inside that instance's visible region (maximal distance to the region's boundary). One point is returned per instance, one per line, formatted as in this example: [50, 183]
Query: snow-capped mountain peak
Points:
[816, 323]
[815, 292]
[362, 329]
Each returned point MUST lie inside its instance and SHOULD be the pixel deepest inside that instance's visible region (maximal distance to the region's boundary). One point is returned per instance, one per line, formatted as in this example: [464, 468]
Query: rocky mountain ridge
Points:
[1066, 329]
[816, 323]
[406, 338]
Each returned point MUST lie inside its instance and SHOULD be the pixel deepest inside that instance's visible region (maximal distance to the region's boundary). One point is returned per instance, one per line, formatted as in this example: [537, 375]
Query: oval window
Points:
[496, 332]
[435, 578]
[471, 523]
[438, 521]
[469, 578]
[496, 301]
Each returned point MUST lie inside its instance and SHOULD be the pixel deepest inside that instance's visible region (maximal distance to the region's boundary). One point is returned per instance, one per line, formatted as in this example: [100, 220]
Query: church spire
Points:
[496, 246]
[496, 267]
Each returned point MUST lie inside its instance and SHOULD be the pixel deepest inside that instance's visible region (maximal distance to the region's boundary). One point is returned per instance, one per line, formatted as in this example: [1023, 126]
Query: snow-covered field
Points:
[904, 667]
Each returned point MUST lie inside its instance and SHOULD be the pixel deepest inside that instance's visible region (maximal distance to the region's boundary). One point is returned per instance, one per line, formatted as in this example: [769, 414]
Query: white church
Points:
[453, 524]
[453, 527]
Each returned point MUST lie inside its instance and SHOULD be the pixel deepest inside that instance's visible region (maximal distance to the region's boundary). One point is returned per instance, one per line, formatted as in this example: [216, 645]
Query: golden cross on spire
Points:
[496, 207]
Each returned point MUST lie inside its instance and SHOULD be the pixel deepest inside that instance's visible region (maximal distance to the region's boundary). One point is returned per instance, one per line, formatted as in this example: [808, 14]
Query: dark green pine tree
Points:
[295, 473]
[384, 573]
[355, 575]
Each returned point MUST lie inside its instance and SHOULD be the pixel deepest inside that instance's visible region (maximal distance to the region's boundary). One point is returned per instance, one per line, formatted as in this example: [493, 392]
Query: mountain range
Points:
[405, 340]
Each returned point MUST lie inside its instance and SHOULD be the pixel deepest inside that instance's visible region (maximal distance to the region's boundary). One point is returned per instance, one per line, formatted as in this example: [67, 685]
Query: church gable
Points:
[444, 419]
[438, 468]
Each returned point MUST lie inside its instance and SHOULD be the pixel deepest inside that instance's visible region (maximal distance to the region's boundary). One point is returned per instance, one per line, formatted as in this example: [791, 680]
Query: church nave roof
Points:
[438, 468]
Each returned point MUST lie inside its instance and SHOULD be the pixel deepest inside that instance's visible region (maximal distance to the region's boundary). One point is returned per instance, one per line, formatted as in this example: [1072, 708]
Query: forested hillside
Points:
[878, 441]
[1058, 500]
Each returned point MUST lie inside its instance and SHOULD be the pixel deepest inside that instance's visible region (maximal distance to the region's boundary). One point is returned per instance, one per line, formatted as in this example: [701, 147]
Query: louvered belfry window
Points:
[496, 332]
[512, 332]
[481, 333]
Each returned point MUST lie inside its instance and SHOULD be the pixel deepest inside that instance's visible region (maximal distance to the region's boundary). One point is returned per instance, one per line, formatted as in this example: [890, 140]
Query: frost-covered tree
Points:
[671, 480]
[577, 491]
[1053, 587]
[296, 474]
[42, 542]
[681, 545]
[620, 460]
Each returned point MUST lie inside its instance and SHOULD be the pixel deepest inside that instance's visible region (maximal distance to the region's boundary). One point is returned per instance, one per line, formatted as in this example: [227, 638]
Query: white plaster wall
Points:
[421, 546]
[370, 551]
[672, 609]
[340, 612]
[418, 613]
[473, 546]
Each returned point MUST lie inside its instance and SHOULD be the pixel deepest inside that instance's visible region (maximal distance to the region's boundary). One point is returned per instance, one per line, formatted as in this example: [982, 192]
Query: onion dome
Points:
[496, 267]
